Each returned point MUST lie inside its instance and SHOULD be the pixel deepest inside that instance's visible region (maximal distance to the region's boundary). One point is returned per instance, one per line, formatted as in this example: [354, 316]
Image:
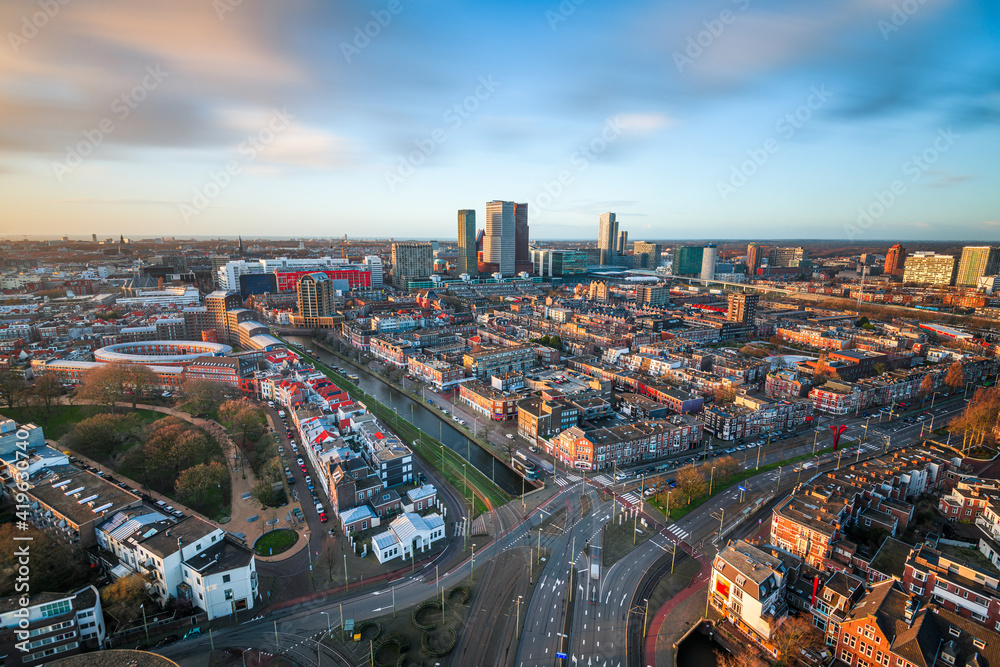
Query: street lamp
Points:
[327, 614]
[711, 481]
[645, 618]
[244, 656]
[933, 398]
[517, 628]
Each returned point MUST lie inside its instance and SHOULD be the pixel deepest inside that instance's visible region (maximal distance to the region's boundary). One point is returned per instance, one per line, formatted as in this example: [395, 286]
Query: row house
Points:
[491, 402]
[751, 416]
[49, 626]
[875, 493]
[892, 628]
[787, 383]
[821, 339]
[953, 584]
[604, 448]
[435, 372]
[832, 398]
[395, 351]
[967, 501]
[540, 417]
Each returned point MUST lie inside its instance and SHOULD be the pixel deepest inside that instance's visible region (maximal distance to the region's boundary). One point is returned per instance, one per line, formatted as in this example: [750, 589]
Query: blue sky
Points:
[862, 119]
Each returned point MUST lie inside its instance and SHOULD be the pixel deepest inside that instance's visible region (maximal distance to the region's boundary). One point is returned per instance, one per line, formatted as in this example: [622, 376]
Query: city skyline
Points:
[855, 122]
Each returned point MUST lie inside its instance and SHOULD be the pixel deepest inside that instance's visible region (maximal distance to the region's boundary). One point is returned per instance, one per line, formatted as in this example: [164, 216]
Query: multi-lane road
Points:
[602, 607]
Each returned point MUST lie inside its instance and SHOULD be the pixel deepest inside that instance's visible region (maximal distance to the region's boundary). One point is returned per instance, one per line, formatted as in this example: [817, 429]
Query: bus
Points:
[525, 466]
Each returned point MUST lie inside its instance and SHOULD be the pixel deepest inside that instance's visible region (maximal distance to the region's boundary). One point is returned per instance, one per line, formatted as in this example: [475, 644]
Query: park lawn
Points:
[64, 417]
[275, 542]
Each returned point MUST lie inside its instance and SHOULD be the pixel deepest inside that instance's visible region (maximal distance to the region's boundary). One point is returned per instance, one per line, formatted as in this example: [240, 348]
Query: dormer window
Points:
[954, 632]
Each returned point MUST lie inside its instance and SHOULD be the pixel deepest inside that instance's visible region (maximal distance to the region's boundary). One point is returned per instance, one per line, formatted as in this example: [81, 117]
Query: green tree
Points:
[556, 343]
[205, 396]
[12, 386]
[955, 379]
[123, 598]
[196, 484]
[43, 396]
[102, 436]
[243, 420]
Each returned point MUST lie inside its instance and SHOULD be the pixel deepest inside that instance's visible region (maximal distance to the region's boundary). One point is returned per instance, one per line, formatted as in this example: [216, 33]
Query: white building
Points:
[189, 559]
[178, 295]
[57, 625]
[408, 535]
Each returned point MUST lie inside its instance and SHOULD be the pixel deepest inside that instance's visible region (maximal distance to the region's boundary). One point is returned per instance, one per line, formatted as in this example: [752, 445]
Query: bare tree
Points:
[794, 635]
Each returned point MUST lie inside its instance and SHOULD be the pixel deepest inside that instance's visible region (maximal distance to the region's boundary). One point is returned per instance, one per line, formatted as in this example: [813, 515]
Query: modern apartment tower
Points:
[976, 262]
[500, 240]
[895, 261]
[929, 268]
[607, 237]
[742, 308]
[467, 261]
[411, 261]
[316, 296]
[753, 259]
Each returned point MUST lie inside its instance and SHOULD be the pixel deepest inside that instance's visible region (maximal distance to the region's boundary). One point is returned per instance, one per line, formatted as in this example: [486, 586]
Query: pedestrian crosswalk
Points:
[603, 480]
[679, 533]
[630, 498]
[573, 478]
[561, 481]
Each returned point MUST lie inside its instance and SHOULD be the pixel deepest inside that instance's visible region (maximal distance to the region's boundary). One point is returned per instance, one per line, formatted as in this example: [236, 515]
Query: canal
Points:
[423, 417]
[698, 650]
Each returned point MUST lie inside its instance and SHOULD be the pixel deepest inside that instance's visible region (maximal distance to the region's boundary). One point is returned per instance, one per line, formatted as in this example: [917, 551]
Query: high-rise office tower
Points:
[607, 237]
[499, 242]
[687, 260]
[742, 308]
[647, 254]
[522, 257]
[467, 262]
[929, 268]
[976, 262]
[316, 296]
[411, 261]
[895, 261]
[708, 262]
[621, 246]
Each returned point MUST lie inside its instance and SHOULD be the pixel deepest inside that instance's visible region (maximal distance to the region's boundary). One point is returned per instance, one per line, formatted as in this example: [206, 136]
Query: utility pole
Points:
[346, 585]
[779, 480]
[517, 629]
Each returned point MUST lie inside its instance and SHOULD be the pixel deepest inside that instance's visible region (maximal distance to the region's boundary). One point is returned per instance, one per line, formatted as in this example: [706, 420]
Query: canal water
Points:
[697, 650]
[423, 417]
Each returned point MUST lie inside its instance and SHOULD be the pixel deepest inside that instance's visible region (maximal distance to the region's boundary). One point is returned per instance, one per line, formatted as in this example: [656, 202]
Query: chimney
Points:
[180, 547]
